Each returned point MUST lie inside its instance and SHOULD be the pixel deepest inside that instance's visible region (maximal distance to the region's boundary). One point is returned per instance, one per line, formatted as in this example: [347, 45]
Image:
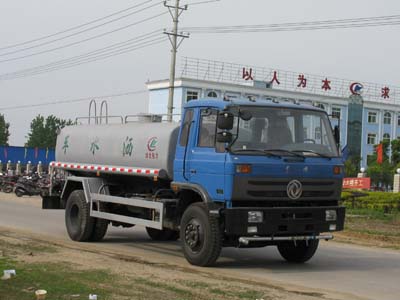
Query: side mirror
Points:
[336, 134]
[224, 137]
[225, 121]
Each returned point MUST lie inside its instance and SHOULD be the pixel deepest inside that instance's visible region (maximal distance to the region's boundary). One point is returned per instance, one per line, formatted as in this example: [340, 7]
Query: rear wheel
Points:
[19, 193]
[99, 230]
[298, 252]
[78, 222]
[162, 235]
[200, 235]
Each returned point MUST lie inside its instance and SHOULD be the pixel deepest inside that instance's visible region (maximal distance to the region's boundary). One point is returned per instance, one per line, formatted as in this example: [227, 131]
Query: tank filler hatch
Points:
[104, 118]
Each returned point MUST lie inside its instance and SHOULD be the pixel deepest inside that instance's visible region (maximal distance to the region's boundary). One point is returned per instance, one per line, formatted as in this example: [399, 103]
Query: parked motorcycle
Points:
[30, 186]
[7, 183]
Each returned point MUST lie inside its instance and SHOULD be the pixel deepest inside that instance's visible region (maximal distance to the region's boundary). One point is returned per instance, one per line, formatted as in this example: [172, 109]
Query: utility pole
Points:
[173, 36]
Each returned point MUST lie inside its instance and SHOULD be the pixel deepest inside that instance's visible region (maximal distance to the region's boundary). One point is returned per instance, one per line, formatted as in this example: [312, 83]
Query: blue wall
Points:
[34, 155]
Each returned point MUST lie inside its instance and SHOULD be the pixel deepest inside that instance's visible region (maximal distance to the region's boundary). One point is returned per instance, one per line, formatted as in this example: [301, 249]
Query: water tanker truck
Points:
[232, 173]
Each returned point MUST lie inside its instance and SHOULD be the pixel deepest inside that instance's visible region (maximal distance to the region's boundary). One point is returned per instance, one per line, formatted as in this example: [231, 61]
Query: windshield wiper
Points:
[256, 150]
[314, 152]
[293, 153]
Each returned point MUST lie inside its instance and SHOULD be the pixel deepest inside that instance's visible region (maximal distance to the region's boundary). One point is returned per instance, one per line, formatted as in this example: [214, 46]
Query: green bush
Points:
[378, 201]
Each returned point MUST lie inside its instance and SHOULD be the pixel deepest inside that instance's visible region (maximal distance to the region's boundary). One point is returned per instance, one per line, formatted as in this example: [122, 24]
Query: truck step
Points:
[158, 208]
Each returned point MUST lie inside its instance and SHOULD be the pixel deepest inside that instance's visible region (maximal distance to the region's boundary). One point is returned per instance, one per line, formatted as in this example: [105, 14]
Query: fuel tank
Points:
[135, 145]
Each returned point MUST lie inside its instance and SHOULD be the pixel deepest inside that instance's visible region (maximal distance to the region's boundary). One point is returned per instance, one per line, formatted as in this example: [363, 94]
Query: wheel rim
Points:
[74, 217]
[194, 235]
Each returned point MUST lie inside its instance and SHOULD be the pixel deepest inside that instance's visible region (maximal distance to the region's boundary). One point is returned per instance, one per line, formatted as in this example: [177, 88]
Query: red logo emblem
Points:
[152, 144]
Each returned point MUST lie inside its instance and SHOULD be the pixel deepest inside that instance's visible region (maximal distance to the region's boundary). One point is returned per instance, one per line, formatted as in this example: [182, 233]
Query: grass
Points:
[374, 214]
[245, 294]
[58, 279]
[164, 286]
[45, 267]
[182, 293]
[373, 219]
[371, 227]
[26, 247]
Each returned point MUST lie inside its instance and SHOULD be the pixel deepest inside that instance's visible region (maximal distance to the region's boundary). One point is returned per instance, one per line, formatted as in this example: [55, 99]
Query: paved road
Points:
[366, 272]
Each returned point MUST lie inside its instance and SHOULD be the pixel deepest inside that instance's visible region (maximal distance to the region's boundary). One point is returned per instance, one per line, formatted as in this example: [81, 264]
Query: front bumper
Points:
[283, 221]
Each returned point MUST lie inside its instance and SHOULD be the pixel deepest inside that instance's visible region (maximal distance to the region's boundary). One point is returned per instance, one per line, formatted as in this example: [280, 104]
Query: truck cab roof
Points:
[221, 103]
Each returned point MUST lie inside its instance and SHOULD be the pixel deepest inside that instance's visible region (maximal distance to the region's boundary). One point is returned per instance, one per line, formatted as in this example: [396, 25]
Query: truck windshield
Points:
[284, 132]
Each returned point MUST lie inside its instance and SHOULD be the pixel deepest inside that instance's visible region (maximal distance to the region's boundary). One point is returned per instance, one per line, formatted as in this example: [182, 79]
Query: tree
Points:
[395, 152]
[43, 132]
[4, 131]
[381, 173]
[352, 166]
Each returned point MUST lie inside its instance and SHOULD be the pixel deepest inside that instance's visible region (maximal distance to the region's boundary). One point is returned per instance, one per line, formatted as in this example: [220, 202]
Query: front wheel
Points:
[298, 252]
[200, 235]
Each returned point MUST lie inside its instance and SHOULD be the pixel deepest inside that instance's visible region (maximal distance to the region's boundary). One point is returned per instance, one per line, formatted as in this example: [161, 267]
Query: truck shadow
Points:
[327, 259]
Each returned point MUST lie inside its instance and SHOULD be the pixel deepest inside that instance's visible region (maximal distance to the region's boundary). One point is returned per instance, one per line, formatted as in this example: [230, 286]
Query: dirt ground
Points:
[153, 281]
[11, 197]
[370, 232]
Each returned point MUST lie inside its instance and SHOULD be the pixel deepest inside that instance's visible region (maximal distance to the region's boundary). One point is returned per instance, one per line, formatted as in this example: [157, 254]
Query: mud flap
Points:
[51, 202]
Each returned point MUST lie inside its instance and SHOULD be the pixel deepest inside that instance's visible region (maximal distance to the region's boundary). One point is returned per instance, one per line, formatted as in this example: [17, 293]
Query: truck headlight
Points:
[330, 215]
[255, 217]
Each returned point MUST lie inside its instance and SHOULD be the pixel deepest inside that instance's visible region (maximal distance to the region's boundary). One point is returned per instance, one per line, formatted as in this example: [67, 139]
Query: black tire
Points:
[78, 222]
[99, 230]
[200, 235]
[8, 188]
[19, 192]
[162, 235]
[299, 252]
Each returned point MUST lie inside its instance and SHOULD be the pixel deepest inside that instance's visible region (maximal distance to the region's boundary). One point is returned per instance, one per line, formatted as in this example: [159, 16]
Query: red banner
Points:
[379, 154]
[357, 183]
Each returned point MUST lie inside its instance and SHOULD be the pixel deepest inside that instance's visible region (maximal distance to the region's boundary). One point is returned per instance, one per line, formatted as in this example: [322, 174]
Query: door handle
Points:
[193, 171]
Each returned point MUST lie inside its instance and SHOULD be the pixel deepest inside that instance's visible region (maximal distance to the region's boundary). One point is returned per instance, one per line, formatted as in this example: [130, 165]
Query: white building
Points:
[212, 79]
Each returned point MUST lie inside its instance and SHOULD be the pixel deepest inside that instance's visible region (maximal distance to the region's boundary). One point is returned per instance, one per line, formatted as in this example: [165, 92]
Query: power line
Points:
[293, 29]
[92, 59]
[74, 28]
[351, 20]
[84, 40]
[87, 39]
[297, 26]
[56, 102]
[202, 2]
[87, 54]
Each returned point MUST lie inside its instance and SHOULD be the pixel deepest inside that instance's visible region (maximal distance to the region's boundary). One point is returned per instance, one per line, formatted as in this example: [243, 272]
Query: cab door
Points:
[206, 161]
[186, 139]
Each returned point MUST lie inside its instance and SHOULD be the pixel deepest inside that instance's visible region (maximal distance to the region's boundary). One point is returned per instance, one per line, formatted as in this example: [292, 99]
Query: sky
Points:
[364, 54]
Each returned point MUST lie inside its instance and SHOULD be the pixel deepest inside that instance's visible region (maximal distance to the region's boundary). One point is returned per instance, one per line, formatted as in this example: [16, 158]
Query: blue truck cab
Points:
[270, 173]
